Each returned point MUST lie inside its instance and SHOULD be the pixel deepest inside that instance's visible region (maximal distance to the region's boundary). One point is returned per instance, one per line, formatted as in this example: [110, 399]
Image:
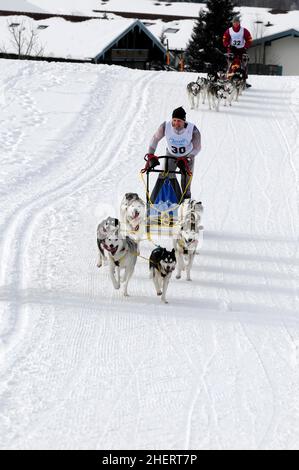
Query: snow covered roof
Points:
[132, 25]
[254, 19]
[86, 7]
[153, 7]
[261, 22]
[21, 5]
[177, 33]
[82, 41]
[274, 37]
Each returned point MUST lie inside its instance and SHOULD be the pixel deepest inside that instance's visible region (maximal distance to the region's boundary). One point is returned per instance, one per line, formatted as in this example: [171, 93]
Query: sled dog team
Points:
[122, 250]
[217, 89]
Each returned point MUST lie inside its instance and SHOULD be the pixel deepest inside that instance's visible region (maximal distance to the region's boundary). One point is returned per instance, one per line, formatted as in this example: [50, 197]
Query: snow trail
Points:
[82, 367]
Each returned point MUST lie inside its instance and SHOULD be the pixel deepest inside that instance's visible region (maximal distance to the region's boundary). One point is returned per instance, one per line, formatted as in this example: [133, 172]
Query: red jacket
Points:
[247, 37]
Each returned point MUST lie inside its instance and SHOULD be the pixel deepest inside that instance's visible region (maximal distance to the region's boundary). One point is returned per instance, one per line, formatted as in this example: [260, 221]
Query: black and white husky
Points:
[132, 212]
[122, 253]
[162, 263]
[216, 93]
[238, 79]
[105, 228]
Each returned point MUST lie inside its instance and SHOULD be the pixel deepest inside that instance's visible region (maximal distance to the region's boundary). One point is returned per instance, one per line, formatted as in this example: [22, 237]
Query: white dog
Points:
[195, 90]
[190, 215]
[132, 213]
[106, 227]
[185, 246]
[122, 253]
[189, 235]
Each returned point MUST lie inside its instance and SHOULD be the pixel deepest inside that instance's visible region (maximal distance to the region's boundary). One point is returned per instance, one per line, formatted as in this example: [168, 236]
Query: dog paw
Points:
[178, 276]
[159, 293]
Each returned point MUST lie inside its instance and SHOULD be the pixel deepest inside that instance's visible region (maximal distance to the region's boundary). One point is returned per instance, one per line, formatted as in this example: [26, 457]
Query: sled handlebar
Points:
[148, 169]
[167, 157]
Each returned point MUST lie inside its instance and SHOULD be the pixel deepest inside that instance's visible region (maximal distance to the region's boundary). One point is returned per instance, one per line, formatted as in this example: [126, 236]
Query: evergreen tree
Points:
[218, 18]
[197, 43]
[205, 45]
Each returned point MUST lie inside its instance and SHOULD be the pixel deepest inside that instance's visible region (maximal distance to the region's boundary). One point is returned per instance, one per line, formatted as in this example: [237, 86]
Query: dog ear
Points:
[173, 250]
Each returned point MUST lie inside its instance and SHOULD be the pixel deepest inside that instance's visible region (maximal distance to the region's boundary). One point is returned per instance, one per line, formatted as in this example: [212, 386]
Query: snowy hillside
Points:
[83, 368]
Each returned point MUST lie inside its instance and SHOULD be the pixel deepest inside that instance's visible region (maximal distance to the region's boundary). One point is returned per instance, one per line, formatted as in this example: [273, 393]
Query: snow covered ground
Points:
[83, 368]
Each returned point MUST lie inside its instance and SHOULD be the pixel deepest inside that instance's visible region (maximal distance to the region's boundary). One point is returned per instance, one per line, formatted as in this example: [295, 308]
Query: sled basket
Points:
[162, 203]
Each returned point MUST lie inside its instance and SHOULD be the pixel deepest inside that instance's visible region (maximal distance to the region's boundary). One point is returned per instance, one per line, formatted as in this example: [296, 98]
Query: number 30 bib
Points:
[179, 145]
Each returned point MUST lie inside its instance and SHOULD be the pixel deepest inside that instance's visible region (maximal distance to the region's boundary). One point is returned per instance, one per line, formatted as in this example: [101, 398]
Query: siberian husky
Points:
[161, 264]
[216, 93]
[132, 212]
[195, 90]
[105, 227]
[122, 253]
[185, 248]
[190, 215]
[238, 79]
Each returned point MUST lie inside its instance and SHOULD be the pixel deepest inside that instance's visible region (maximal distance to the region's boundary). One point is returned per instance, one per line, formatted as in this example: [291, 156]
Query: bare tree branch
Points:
[24, 40]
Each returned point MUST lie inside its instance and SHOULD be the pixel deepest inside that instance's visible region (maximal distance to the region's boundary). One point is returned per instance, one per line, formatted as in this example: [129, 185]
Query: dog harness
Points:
[116, 262]
[237, 38]
[163, 274]
[179, 145]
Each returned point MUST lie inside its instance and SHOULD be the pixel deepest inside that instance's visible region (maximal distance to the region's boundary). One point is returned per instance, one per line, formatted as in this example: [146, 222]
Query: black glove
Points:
[182, 167]
[152, 160]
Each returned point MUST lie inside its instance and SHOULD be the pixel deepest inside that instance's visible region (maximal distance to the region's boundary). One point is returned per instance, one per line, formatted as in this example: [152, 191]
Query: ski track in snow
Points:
[22, 221]
[81, 367]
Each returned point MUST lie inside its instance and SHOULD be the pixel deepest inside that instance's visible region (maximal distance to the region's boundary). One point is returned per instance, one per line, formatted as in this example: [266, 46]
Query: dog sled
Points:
[164, 200]
[237, 66]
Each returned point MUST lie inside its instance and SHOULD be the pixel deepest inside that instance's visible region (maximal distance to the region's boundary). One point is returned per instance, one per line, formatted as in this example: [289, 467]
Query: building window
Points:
[42, 26]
